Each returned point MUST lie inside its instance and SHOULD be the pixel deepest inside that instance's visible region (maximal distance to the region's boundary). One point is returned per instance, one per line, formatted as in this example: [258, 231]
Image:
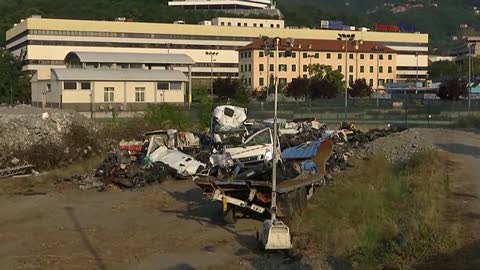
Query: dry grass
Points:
[378, 215]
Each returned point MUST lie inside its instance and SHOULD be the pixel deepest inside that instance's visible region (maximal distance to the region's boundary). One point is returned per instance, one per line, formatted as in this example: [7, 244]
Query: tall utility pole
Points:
[211, 54]
[346, 38]
[275, 131]
[416, 80]
[469, 75]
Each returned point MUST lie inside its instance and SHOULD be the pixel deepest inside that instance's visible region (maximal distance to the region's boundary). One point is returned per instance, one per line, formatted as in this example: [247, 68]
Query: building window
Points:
[249, 55]
[381, 82]
[222, 23]
[305, 55]
[271, 25]
[70, 85]
[254, 25]
[272, 67]
[140, 94]
[241, 68]
[339, 56]
[390, 57]
[389, 80]
[305, 76]
[351, 56]
[294, 68]
[294, 55]
[85, 86]
[339, 68]
[163, 86]
[371, 56]
[370, 82]
[278, 25]
[282, 82]
[261, 81]
[305, 68]
[260, 54]
[105, 65]
[48, 88]
[317, 55]
[350, 69]
[239, 24]
[260, 67]
[271, 54]
[390, 69]
[249, 81]
[371, 69]
[362, 69]
[362, 56]
[281, 54]
[329, 55]
[108, 94]
[380, 69]
[241, 55]
[245, 24]
[261, 25]
[229, 24]
[249, 67]
[176, 86]
[350, 78]
[282, 68]
[380, 56]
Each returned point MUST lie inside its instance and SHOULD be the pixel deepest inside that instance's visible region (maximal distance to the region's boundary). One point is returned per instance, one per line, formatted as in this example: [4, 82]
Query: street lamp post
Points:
[346, 38]
[211, 54]
[469, 75]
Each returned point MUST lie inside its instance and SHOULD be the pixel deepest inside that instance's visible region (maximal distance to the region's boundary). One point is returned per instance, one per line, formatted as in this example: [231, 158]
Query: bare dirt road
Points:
[168, 226]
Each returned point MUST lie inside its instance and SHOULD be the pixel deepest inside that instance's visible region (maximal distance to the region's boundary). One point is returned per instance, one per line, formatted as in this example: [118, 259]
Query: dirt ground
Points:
[169, 226]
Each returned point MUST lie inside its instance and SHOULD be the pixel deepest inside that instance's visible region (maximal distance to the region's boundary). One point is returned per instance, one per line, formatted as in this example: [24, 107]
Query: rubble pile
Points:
[24, 132]
[397, 147]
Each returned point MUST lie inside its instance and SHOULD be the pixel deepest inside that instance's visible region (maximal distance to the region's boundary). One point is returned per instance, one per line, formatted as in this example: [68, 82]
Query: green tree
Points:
[453, 89]
[442, 69]
[325, 82]
[204, 100]
[242, 95]
[298, 88]
[225, 88]
[360, 88]
[14, 83]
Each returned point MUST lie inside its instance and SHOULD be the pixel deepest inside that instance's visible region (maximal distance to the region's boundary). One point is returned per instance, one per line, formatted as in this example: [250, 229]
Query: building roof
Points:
[80, 74]
[133, 58]
[322, 45]
[221, 3]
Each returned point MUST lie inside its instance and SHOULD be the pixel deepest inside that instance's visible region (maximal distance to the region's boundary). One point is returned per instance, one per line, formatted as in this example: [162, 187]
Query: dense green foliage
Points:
[298, 13]
[14, 84]
[453, 89]
[360, 88]
[442, 69]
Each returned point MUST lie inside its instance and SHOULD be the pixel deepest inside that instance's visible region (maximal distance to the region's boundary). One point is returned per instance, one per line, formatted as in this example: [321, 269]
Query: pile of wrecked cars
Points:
[233, 163]
[241, 164]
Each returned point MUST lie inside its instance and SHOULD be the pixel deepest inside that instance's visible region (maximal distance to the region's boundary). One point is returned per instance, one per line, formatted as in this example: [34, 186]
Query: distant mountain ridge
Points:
[440, 18]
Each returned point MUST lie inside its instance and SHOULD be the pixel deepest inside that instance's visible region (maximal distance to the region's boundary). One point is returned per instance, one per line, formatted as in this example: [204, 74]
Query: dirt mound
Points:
[46, 139]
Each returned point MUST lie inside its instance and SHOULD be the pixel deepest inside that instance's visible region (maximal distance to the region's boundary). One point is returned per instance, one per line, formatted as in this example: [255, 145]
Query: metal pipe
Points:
[275, 131]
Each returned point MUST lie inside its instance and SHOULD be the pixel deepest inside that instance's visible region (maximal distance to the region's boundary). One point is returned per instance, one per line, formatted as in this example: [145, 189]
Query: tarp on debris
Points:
[303, 151]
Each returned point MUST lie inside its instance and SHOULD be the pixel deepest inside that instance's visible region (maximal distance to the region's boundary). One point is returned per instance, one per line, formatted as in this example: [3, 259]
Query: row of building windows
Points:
[246, 24]
[121, 45]
[284, 68]
[317, 55]
[133, 35]
[74, 85]
[283, 81]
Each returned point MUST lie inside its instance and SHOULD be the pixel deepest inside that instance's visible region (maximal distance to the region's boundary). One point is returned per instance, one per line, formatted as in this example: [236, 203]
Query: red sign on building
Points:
[386, 28]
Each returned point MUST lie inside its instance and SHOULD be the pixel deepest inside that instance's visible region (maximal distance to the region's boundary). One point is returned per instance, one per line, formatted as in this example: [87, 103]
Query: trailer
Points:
[242, 196]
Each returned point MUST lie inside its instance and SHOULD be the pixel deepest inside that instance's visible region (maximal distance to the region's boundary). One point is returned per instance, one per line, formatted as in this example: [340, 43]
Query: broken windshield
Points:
[263, 137]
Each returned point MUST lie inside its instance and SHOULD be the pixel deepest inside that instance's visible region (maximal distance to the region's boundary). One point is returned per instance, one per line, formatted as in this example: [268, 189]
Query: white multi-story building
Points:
[42, 42]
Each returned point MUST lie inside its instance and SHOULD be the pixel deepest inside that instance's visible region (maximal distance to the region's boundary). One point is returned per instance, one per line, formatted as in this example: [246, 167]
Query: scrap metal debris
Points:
[236, 148]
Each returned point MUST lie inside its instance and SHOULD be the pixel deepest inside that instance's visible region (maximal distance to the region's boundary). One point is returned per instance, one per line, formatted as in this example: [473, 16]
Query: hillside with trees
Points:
[440, 18]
